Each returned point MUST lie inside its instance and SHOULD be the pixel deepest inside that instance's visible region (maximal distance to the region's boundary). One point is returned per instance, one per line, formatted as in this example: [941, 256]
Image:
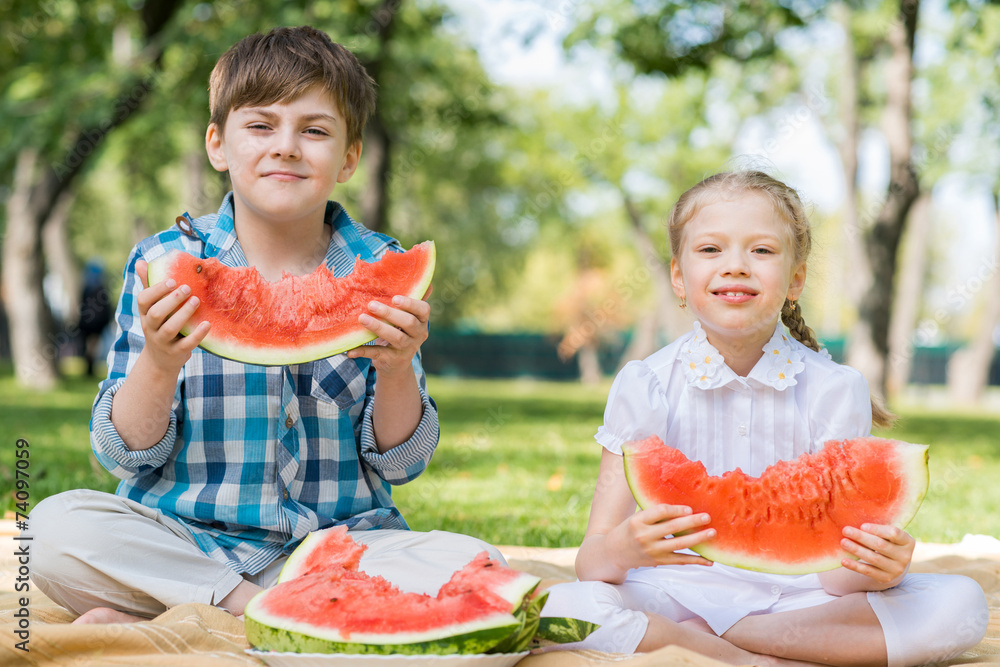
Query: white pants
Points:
[94, 549]
[926, 618]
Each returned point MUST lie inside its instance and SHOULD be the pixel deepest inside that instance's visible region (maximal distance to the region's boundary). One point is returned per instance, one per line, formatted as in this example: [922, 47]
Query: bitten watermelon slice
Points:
[346, 611]
[324, 604]
[298, 318]
[790, 519]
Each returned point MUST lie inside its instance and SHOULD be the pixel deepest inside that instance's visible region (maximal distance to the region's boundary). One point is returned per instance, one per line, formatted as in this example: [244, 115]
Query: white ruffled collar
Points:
[705, 368]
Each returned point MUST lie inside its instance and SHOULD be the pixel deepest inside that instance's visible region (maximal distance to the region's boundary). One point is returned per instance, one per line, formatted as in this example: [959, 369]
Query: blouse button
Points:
[742, 430]
[289, 422]
[284, 494]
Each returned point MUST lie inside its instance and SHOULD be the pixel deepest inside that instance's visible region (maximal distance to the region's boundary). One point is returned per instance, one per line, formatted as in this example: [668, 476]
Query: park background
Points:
[540, 145]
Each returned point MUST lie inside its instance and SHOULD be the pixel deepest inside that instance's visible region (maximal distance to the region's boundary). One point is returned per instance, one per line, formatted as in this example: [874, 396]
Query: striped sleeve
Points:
[407, 460]
[108, 446]
[110, 449]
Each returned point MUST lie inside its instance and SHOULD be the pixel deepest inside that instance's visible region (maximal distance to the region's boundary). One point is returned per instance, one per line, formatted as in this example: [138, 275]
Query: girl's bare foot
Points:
[106, 615]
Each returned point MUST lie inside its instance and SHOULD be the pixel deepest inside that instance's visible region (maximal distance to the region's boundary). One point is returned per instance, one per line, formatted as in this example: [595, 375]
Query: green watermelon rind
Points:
[157, 272]
[913, 464]
[267, 637]
[561, 630]
[529, 614]
[293, 563]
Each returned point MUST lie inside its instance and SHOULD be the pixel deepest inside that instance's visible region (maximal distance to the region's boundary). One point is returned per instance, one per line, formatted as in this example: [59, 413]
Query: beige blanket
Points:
[194, 635]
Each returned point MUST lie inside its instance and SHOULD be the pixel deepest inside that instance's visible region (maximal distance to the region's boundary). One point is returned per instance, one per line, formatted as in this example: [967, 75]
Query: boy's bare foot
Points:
[106, 615]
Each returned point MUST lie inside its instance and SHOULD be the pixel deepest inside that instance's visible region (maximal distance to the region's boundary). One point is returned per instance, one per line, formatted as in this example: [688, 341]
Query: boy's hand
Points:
[163, 309]
[640, 540]
[885, 552]
[401, 330]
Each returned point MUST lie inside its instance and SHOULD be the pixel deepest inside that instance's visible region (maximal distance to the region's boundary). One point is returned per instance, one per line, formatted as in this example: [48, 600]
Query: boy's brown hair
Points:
[282, 65]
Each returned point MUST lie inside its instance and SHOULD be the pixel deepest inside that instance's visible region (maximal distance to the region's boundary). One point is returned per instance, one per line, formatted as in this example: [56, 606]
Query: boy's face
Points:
[285, 158]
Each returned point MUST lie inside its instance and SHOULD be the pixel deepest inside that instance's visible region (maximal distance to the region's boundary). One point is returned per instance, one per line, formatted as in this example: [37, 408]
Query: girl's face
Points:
[736, 268]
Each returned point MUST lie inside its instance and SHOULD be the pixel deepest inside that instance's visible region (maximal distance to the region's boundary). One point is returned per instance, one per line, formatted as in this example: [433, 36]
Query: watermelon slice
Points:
[324, 604]
[298, 318]
[790, 519]
[346, 611]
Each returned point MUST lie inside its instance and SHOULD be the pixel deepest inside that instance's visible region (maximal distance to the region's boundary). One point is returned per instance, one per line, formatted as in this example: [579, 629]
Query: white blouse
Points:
[792, 402]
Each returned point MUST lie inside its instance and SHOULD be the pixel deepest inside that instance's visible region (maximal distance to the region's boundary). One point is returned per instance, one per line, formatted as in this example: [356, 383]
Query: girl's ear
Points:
[214, 146]
[798, 283]
[676, 279]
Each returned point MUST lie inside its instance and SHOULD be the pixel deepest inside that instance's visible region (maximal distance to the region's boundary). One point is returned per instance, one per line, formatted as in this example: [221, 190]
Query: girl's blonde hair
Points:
[788, 206]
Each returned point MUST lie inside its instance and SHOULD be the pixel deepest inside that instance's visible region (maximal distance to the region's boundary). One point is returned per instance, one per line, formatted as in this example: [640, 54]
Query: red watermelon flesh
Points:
[353, 603]
[790, 519]
[327, 549]
[298, 318]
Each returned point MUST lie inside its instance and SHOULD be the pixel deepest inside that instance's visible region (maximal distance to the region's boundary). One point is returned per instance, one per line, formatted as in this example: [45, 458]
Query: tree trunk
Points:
[667, 316]
[589, 364]
[38, 191]
[857, 271]
[375, 198]
[61, 261]
[868, 348]
[32, 345]
[906, 309]
[377, 152]
[969, 367]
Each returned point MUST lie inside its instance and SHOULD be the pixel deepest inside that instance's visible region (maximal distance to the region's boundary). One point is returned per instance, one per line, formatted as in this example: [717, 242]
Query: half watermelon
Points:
[298, 318]
[347, 611]
[790, 519]
[324, 604]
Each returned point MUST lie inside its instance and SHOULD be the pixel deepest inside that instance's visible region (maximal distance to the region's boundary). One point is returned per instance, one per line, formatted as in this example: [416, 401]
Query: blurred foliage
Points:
[442, 109]
[510, 182]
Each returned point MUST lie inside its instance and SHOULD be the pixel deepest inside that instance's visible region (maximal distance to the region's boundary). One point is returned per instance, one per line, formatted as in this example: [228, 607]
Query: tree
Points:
[969, 366]
[50, 148]
[425, 173]
[672, 38]
[704, 57]
[868, 341]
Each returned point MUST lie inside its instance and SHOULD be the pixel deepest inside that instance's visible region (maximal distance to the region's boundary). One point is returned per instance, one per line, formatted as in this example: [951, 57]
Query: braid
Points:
[791, 315]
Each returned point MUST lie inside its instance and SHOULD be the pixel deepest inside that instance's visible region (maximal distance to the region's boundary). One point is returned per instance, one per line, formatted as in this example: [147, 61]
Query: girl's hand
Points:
[401, 330]
[164, 308]
[885, 553]
[641, 540]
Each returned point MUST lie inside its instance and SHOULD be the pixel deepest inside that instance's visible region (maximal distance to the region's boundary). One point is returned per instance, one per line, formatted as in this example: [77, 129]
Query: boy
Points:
[227, 466]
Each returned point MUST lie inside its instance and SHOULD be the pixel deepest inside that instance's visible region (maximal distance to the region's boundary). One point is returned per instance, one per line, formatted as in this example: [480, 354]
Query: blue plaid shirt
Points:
[256, 457]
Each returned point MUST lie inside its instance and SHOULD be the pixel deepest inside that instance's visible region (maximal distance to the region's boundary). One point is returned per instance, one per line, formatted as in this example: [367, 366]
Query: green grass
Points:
[55, 424]
[964, 492]
[517, 459]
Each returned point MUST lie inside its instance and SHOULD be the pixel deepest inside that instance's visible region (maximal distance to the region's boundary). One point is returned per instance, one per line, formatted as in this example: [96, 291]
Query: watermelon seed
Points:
[197, 269]
[333, 599]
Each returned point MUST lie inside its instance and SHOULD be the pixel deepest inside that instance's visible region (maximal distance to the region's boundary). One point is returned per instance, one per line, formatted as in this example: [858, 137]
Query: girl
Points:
[737, 391]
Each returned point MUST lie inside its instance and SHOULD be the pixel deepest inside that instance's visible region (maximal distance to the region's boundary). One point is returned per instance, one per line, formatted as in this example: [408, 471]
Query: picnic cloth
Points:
[196, 635]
